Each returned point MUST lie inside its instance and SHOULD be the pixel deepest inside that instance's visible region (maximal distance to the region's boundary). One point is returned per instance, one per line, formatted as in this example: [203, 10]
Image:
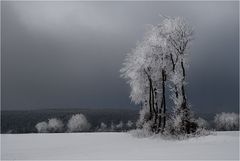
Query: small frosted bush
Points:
[42, 127]
[78, 123]
[143, 117]
[103, 127]
[112, 127]
[129, 124]
[120, 125]
[145, 131]
[226, 121]
[202, 123]
[55, 125]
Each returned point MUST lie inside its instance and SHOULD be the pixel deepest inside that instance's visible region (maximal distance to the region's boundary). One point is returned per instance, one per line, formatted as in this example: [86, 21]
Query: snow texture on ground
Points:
[222, 146]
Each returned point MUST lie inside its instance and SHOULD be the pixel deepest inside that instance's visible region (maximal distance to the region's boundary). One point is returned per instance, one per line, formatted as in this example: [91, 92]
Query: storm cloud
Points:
[68, 54]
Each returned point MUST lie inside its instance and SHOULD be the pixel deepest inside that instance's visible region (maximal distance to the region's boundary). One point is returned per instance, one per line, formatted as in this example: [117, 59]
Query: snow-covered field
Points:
[222, 146]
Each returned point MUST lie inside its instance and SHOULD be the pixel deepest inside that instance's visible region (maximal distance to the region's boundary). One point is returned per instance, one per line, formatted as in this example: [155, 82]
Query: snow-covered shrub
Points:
[55, 125]
[143, 117]
[177, 124]
[129, 124]
[42, 127]
[9, 131]
[226, 121]
[202, 123]
[169, 129]
[103, 127]
[120, 125]
[173, 132]
[145, 131]
[112, 127]
[201, 132]
[78, 123]
[190, 124]
[141, 133]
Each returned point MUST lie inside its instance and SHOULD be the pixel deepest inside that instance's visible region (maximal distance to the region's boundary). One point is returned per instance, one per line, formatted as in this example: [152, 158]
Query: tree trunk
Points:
[155, 126]
[163, 100]
[173, 70]
[150, 99]
[176, 91]
[162, 109]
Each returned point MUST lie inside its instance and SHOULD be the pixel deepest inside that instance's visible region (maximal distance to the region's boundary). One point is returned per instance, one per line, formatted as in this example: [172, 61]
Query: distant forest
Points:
[25, 121]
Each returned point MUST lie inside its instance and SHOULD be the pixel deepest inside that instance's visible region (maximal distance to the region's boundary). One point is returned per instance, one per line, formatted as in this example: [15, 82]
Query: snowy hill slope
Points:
[224, 145]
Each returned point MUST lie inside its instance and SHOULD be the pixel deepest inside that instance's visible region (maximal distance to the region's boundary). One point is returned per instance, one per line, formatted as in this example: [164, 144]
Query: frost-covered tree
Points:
[55, 125]
[179, 34]
[160, 57]
[78, 122]
[145, 69]
[42, 127]
[226, 121]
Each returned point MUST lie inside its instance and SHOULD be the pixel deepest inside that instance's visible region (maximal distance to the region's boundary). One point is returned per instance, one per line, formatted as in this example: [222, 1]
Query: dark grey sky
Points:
[68, 54]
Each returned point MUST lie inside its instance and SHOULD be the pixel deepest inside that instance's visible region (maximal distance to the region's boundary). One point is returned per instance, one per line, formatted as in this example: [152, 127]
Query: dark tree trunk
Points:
[153, 114]
[155, 126]
[164, 100]
[176, 91]
[162, 109]
[153, 97]
[184, 103]
[150, 96]
[173, 69]
[159, 120]
[150, 99]
[173, 63]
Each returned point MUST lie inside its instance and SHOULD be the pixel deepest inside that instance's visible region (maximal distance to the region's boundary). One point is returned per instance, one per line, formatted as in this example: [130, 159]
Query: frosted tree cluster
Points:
[159, 62]
[226, 121]
[42, 127]
[78, 123]
[103, 126]
[53, 125]
[119, 126]
[129, 124]
[202, 123]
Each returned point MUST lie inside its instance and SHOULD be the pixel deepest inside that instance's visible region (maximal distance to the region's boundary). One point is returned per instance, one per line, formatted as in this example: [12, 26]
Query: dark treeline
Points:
[25, 121]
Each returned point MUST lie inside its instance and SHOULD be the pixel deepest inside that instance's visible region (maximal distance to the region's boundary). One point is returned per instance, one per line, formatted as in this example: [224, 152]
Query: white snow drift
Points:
[68, 146]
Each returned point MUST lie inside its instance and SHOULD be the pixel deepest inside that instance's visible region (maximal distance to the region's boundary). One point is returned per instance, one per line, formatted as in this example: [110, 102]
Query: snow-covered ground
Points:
[222, 146]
